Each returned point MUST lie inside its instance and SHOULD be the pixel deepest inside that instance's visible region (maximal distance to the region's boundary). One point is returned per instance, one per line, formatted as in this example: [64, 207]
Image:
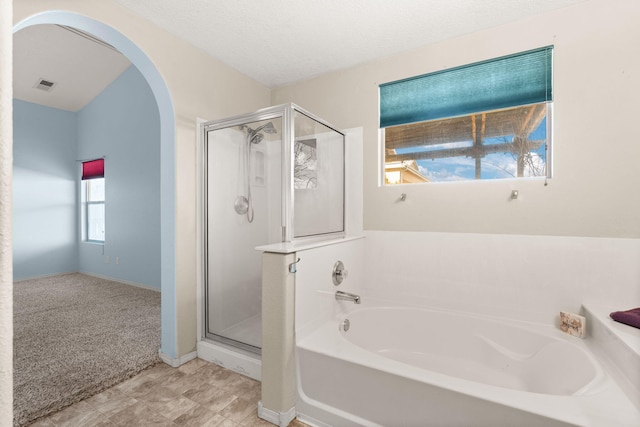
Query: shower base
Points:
[248, 331]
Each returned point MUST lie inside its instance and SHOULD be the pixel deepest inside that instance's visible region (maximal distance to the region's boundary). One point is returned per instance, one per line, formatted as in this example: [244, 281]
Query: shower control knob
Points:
[339, 273]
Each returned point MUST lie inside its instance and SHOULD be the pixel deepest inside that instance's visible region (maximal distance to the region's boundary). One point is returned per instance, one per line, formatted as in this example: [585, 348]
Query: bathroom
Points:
[473, 247]
[465, 246]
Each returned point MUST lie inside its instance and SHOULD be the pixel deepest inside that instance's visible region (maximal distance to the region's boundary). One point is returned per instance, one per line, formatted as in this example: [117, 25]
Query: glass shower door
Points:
[244, 210]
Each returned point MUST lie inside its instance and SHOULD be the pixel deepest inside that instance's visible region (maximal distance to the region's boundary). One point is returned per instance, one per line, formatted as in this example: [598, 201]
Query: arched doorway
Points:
[167, 155]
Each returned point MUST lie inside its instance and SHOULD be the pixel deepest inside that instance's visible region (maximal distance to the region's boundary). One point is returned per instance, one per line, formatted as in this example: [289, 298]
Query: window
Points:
[93, 191]
[487, 120]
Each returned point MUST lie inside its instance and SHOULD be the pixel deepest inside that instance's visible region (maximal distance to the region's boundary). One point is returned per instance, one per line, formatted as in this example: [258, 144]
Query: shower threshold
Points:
[231, 357]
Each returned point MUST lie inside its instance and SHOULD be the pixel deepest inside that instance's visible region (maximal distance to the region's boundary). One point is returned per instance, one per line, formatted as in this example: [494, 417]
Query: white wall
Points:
[522, 277]
[529, 278]
[596, 77]
[315, 301]
[6, 270]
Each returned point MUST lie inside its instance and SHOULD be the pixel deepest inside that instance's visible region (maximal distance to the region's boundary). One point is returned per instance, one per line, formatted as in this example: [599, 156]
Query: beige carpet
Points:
[76, 335]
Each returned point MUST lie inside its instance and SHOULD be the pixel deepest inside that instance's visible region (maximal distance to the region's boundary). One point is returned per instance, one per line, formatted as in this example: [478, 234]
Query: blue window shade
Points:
[509, 81]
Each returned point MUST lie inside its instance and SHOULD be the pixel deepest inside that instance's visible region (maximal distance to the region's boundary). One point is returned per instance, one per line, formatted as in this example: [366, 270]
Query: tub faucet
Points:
[346, 296]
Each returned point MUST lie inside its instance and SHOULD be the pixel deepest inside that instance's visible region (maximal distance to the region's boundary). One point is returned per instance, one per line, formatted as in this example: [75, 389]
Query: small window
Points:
[93, 191]
[487, 120]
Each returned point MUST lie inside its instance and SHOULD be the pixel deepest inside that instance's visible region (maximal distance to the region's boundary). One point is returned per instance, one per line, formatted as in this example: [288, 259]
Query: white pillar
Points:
[278, 364]
[6, 172]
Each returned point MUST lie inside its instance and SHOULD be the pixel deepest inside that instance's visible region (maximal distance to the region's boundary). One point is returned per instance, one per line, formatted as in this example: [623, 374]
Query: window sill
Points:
[93, 242]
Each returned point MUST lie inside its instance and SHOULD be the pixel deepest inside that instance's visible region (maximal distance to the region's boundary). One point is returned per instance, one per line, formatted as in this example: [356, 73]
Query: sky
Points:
[493, 166]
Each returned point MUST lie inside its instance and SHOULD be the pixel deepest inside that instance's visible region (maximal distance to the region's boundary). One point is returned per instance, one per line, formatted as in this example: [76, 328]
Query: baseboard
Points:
[310, 421]
[126, 282]
[43, 276]
[175, 363]
[99, 276]
[281, 419]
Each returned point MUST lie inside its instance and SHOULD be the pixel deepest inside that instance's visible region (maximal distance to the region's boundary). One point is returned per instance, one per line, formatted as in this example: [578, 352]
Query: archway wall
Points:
[188, 84]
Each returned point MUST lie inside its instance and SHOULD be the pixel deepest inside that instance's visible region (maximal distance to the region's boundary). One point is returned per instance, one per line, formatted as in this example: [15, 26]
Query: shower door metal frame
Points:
[206, 128]
[285, 112]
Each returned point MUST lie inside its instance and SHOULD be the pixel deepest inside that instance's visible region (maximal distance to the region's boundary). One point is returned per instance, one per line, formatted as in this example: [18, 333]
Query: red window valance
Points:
[93, 169]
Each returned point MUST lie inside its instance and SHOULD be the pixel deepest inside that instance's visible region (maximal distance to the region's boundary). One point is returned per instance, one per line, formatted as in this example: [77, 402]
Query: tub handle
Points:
[339, 273]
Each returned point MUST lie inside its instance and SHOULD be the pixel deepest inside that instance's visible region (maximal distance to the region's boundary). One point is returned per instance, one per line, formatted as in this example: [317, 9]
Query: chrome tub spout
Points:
[346, 296]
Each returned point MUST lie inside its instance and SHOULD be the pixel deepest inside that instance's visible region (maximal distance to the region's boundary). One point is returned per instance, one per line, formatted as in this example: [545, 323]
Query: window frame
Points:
[91, 170]
[87, 204]
[415, 92]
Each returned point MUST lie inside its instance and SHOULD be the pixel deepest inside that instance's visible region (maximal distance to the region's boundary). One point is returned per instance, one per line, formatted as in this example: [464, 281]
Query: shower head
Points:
[267, 128]
[255, 135]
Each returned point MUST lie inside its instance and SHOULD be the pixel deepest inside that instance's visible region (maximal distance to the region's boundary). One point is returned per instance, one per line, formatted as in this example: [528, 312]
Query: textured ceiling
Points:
[275, 42]
[283, 41]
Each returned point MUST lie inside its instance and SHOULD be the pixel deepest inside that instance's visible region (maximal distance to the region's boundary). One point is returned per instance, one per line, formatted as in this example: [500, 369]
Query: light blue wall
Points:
[123, 124]
[45, 234]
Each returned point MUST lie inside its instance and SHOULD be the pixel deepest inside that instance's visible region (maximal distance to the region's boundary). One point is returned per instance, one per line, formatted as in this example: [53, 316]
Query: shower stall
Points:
[273, 176]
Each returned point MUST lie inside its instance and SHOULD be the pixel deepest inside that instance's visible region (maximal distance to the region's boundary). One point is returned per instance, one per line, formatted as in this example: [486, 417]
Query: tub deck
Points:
[341, 383]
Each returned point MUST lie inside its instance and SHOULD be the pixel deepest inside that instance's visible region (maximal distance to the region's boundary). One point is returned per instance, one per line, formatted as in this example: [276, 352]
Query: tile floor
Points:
[197, 393]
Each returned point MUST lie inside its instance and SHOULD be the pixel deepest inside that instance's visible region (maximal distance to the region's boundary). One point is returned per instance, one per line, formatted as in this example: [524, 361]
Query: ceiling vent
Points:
[44, 85]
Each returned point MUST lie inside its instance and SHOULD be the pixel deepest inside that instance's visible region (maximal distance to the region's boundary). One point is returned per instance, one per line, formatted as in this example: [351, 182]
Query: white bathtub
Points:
[416, 367]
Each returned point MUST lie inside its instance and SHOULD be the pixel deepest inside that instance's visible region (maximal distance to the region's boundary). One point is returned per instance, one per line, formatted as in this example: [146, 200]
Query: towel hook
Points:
[292, 266]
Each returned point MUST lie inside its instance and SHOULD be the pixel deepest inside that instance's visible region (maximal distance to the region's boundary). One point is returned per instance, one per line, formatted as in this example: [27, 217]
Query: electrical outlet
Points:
[117, 260]
[106, 259]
